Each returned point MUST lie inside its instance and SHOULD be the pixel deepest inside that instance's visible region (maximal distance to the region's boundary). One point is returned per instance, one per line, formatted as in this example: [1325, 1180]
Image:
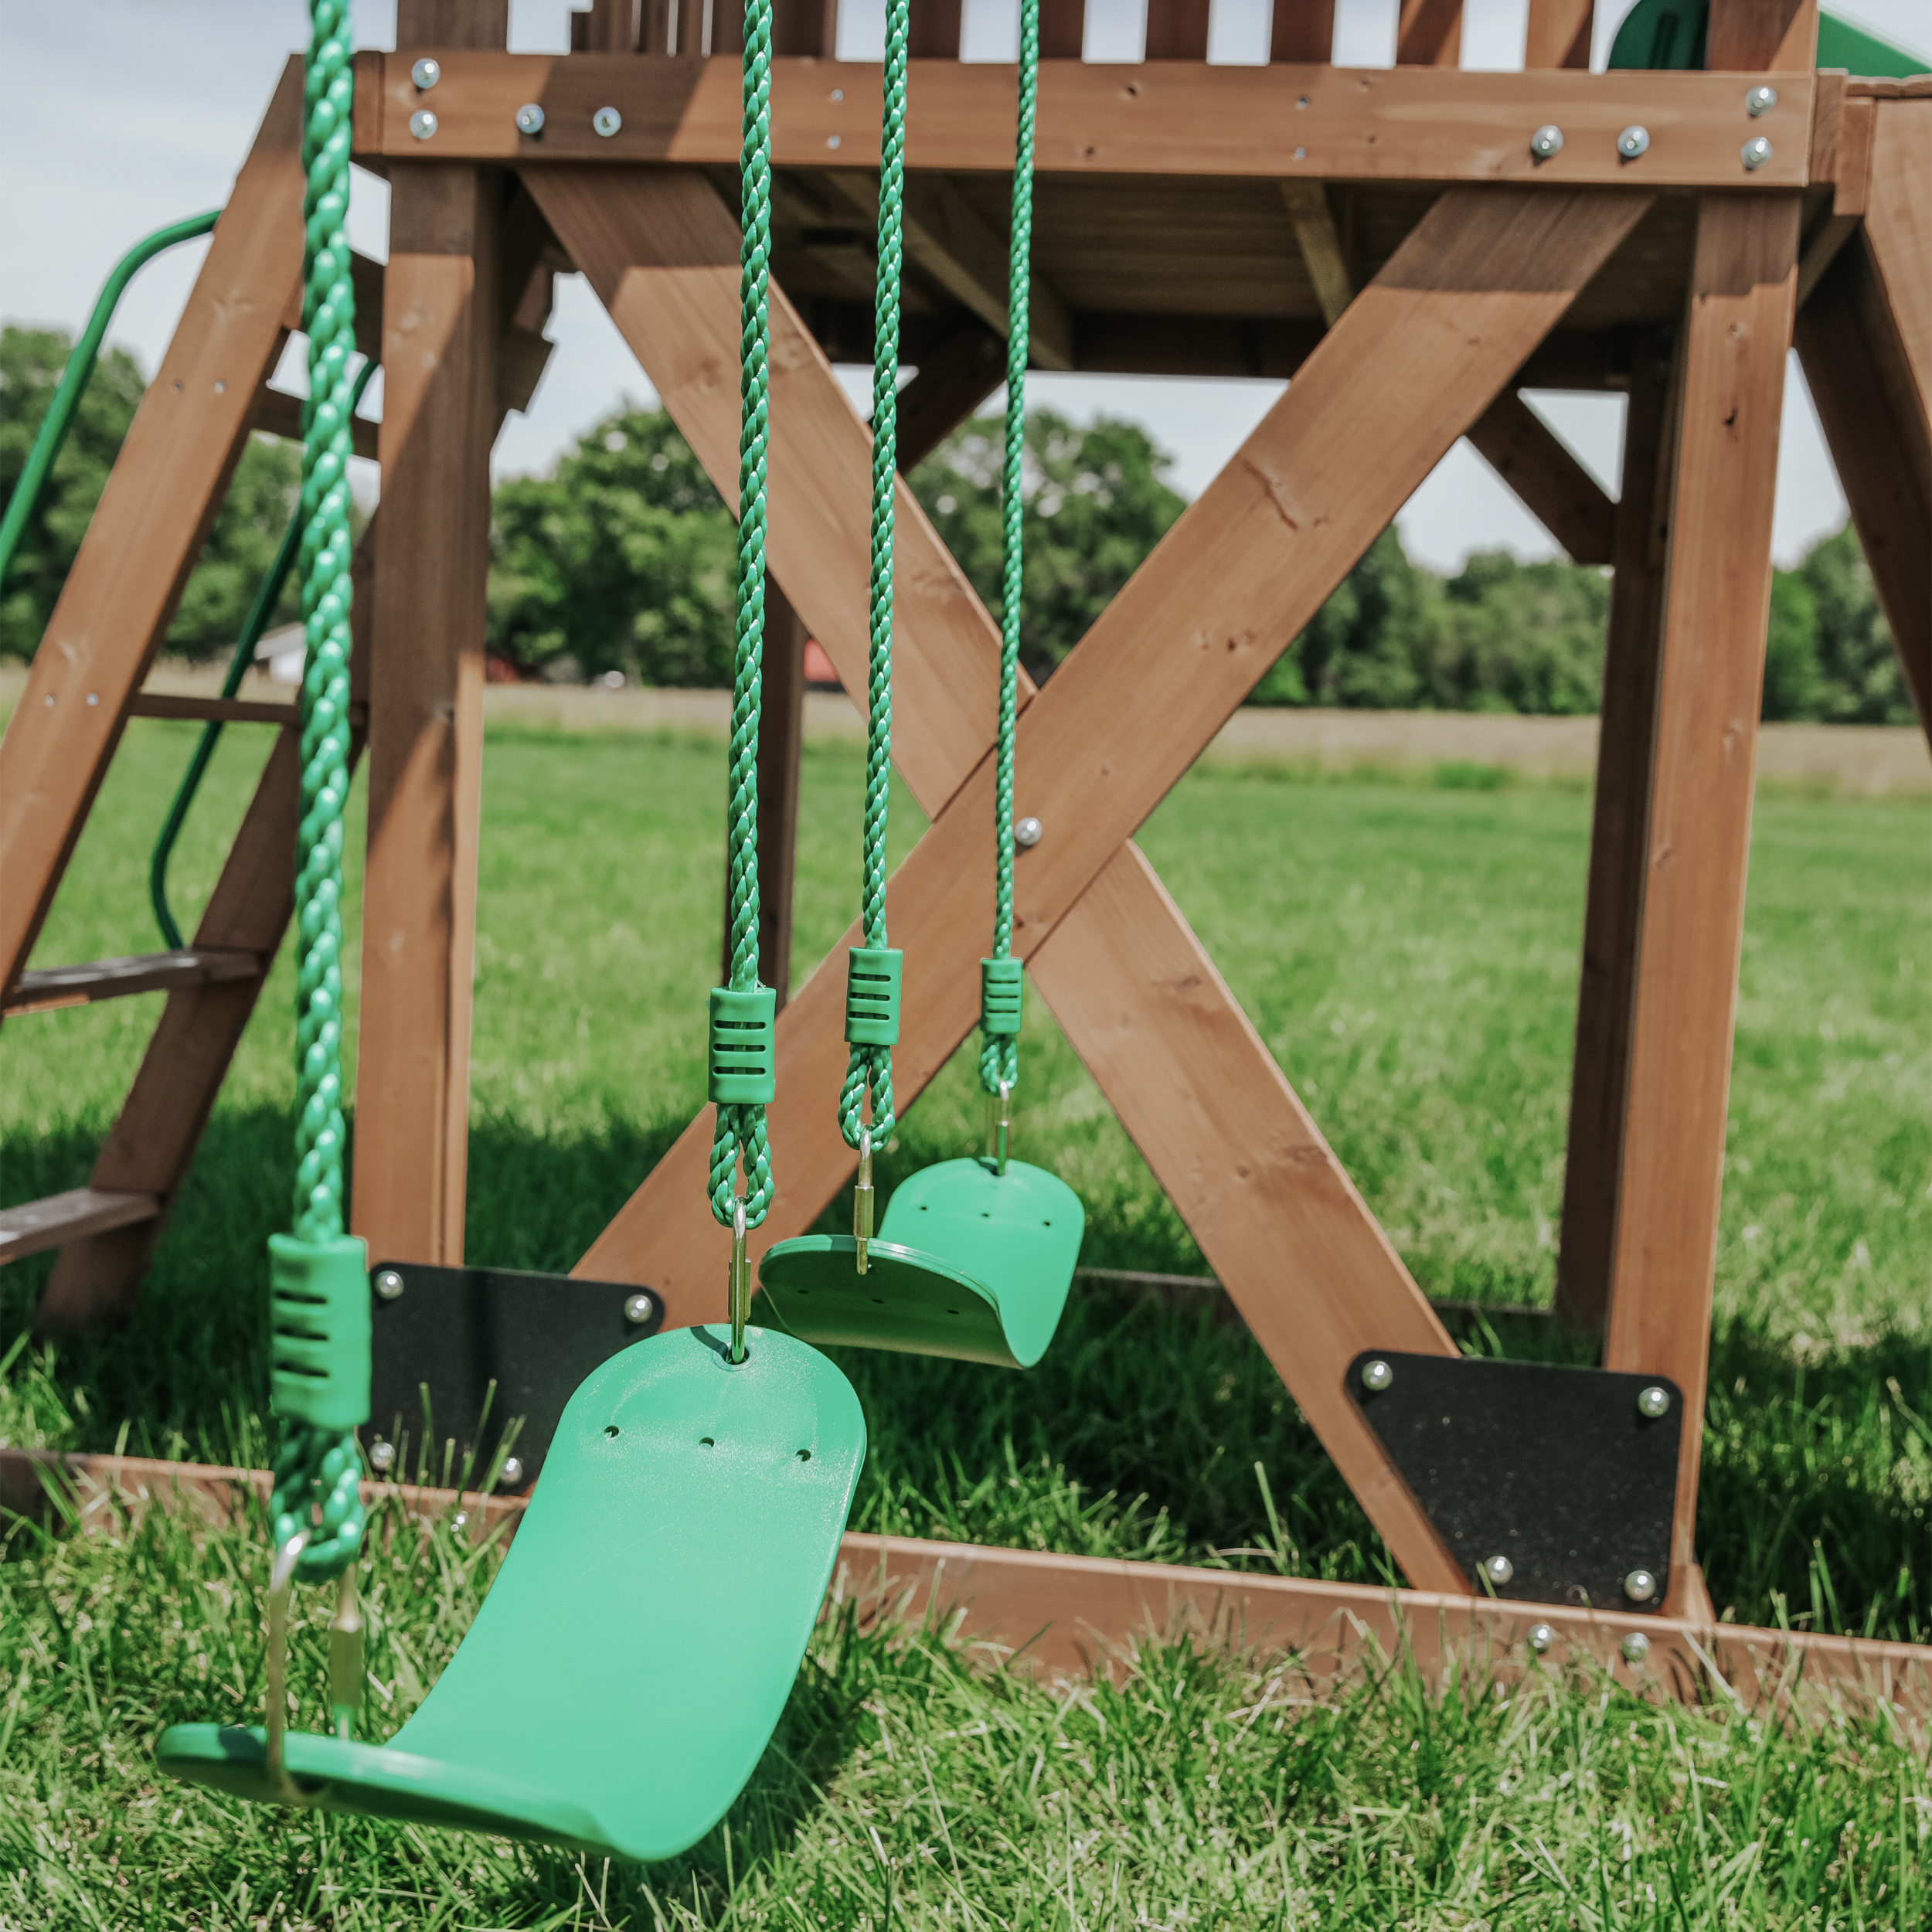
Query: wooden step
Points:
[37, 1225]
[41, 992]
[168, 704]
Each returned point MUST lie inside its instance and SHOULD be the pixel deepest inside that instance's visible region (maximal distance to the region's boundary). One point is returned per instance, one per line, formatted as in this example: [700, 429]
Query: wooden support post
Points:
[1303, 32]
[1570, 503]
[1320, 242]
[809, 28]
[1429, 34]
[1559, 34]
[935, 29]
[1717, 598]
[952, 381]
[1176, 30]
[1762, 36]
[781, 739]
[1619, 845]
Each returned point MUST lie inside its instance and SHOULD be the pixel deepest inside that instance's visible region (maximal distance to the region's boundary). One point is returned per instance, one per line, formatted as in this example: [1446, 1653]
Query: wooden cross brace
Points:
[1418, 356]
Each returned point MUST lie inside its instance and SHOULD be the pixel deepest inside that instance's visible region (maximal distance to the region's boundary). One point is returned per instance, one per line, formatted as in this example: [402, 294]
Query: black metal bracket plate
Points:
[444, 1335]
[1556, 1469]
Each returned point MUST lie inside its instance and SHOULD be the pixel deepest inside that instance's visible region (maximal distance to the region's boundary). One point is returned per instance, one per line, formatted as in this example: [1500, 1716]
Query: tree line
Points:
[623, 558]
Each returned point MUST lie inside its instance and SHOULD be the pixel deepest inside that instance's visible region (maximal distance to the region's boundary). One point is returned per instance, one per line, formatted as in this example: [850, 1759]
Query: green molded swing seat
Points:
[630, 1663]
[969, 1262]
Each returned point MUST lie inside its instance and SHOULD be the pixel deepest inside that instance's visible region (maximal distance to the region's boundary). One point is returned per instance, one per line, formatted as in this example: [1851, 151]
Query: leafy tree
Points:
[1793, 684]
[624, 560]
[1519, 636]
[1861, 682]
[1364, 649]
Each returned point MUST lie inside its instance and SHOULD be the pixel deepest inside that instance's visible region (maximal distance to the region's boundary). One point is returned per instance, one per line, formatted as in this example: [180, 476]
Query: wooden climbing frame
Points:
[1386, 238]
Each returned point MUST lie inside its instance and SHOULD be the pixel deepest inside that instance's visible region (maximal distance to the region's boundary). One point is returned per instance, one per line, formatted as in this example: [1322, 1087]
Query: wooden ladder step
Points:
[166, 704]
[60, 1218]
[41, 992]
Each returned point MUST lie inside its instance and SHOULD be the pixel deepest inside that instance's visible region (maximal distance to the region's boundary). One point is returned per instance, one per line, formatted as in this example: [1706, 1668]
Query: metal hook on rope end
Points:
[999, 1126]
[738, 1282]
[862, 1200]
[281, 1587]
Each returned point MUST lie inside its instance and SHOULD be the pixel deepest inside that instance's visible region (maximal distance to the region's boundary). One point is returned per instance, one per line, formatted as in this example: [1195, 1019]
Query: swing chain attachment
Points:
[862, 1200]
[345, 1656]
[999, 1126]
[738, 1283]
[281, 1587]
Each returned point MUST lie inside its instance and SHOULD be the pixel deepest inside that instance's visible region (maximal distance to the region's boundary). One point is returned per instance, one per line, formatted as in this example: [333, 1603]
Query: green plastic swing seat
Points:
[969, 1262]
[630, 1663]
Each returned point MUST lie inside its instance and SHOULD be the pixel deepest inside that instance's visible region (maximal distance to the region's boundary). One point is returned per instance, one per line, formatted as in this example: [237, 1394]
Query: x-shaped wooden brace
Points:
[1416, 358]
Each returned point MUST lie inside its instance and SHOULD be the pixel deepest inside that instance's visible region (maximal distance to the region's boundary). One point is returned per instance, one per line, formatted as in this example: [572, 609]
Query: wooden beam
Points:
[1619, 844]
[1062, 29]
[1762, 36]
[54, 987]
[168, 704]
[1176, 30]
[279, 413]
[35, 1227]
[148, 528]
[1429, 33]
[1302, 33]
[1558, 35]
[1898, 229]
[1717, 598]
[935, 30]
[952, 383]
[780, 743]
[1550, 483]
[1177, 118]
[1321, 245]
[1847, 164]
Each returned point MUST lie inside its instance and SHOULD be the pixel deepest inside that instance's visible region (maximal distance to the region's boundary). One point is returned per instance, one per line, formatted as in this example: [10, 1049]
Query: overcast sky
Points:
[117, 116]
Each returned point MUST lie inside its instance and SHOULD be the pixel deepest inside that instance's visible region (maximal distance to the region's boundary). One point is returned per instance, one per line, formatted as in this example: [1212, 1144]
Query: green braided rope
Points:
[320, 1466]
[868, 1074]
[999, 1052]
[741, 1133]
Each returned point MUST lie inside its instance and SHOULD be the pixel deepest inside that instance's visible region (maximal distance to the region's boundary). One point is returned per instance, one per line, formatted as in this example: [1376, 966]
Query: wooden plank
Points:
[1551, 483]
[52, 988]
[426, 735]
[1762, 36]
[36, 1226]
[1302, 33]
[279, 413]
[1321, 245]
[1062, 29]
[1558, 35]
[1619, 844]
[951, 383]
[935, 30]
[1898, 229]
[1083, 1616]
[1429, 33]
[168, 704]
[1176, 30]
[780, 747]
[1176, 118]
[148, 528]
[1717, 599]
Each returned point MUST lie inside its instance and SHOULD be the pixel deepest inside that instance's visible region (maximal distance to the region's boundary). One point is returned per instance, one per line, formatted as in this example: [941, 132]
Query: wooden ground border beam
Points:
[1081, 1616]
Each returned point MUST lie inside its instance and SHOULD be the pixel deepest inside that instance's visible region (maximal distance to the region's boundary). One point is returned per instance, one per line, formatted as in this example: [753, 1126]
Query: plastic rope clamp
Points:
[999, 996]
[743, 1027]
[319, 1331]
[872, 979]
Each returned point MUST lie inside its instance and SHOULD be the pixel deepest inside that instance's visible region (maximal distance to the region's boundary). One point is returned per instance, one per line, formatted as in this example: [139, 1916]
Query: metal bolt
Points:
[607, 121]
[1632, 142]
[1654, 1402]
[1754, 154]
[529, 118]
[1541, 1638]
[1760, 100]
[639, 1309]
[1499, 1569]
[838, 94]
[1376, 1376]
[381, 1455]
[510, 1474]
[1640, 1585]
[1635, 1647]
[1301, 154]
[1547, 140]
[834, 141]
[1026, 833]
[389, 1283]
[426, 73]
[422, 124]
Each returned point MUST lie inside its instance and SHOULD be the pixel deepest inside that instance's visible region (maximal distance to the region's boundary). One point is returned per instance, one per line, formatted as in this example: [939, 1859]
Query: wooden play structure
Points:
[1412, 248]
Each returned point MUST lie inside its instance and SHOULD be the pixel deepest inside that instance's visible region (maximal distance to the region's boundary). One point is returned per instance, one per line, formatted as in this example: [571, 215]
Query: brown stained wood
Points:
[1762, 36]
[1177, 118]
[1247, 1169]
[780, 743]
[1717, 599]
[35, 1227]
[1429, 33]
[426, 735]
[278, 413]
[935, 30]
[951, 383]
[437, 24]
[1302, 33]
[54, 988]
[1320, 242]
[165, 704]
[615, 27]
[1062, 29]
[1551, 483]
[1176, 30]
[148, 528]
[1898, 229]
[661, 251]
[1559, 32]
[1619, 845]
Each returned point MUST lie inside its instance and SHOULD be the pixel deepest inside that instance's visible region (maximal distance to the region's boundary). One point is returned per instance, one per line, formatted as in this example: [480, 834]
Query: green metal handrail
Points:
[74, 378]
[252, 625]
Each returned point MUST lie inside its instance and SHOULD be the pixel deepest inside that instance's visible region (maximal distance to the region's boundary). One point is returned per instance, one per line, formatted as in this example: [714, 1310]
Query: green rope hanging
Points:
[742, 1013]
[873, 983]
[1000, 993]
[320, 1294]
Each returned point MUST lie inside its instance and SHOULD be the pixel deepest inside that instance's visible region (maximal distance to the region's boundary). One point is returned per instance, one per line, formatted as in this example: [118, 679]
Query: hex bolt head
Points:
[426, 73]
[639, 1309]
[1499, 1569]
[606, 121]
[1547, 140]
[529, 118]
[510, 1474]
[1027, 833]
[1633, 142]
[422, 124]
[1640, 1587]
[1635, 1647]
[1376, 1376]
[1541, 1638]
[1760, 100]
[1754, 154]
[1654, 1402]
[381, 1455]
[389, 1283]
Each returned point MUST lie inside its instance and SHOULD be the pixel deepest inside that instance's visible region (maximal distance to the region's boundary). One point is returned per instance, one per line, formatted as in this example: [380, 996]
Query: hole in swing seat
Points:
[804, 1455]
[610, 1429]
[708, 1442]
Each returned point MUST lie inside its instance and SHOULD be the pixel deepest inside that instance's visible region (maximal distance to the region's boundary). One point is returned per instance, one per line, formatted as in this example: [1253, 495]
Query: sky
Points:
[119, 116]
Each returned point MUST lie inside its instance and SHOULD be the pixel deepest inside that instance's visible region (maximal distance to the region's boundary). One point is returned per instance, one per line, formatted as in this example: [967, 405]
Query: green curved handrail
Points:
[74, 378]
[267, 595]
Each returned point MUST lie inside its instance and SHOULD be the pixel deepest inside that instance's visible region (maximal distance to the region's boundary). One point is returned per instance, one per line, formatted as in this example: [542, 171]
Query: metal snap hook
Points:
[738, 1283]
[281, 1587]
[999, 1126]
[862, 1201]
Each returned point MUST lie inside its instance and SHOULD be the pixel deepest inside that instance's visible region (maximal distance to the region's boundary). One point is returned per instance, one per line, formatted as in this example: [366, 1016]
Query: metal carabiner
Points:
[862, 1200]
[738, 1283]
[281, 1586]
[999, 1126]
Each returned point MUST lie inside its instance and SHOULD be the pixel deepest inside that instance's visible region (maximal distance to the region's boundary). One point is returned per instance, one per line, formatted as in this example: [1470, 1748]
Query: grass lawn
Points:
[1409, 951]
